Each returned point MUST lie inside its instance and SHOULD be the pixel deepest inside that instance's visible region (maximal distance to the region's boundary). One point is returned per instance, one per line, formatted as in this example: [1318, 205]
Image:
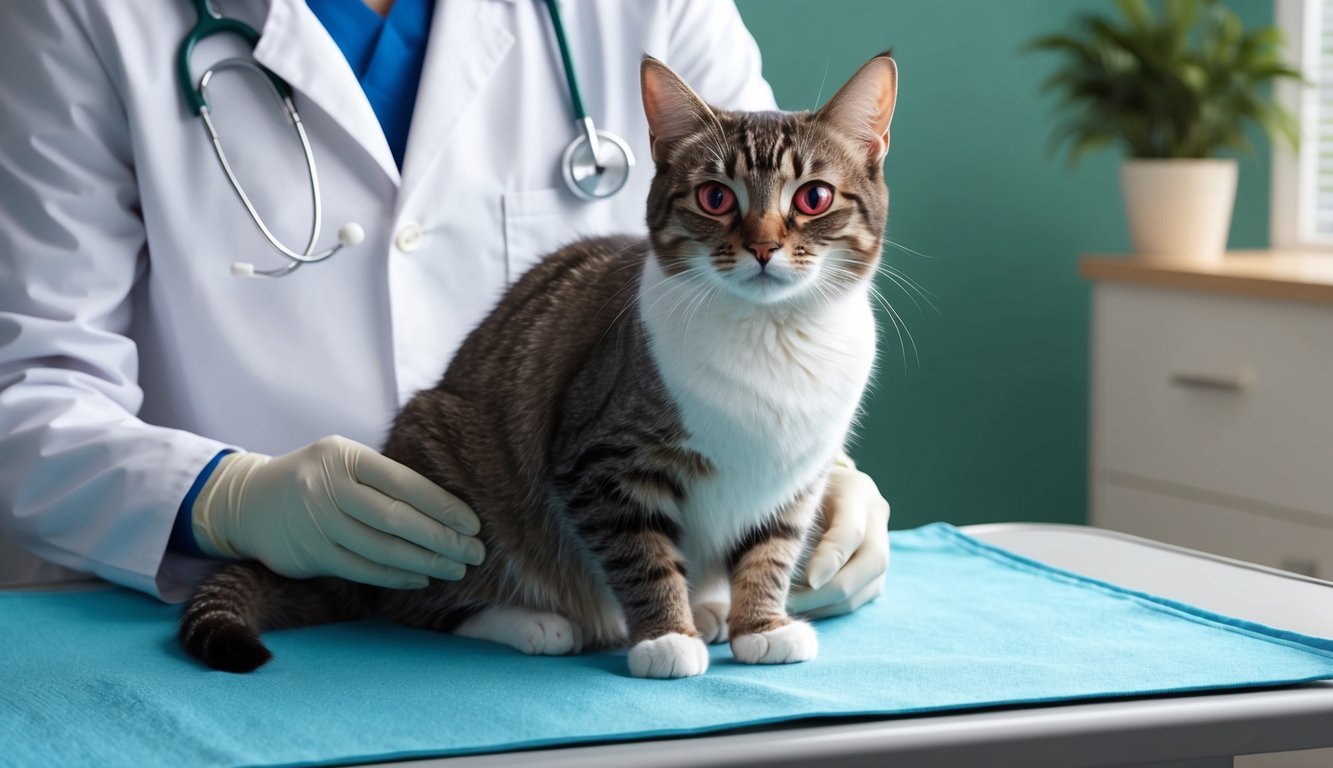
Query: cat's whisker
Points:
[634, 300]
[905, 283]
[708, 293]
[901, 345]
[902, 287]
[822, 80]
[898, 322]
[837, 275]
[893, 279]
[683, 298]
[703, 299]
[689, 308]
[686, 277]
[903, 275]
[825, 295]
[633, 263]
[901, 247]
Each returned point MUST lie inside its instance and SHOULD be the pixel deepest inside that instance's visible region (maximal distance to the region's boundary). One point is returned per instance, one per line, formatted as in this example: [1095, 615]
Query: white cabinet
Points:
[1214, 527]
[1212, 422]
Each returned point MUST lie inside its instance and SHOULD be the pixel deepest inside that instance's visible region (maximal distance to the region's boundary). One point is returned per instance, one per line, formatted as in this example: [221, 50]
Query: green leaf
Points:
[1184, 83]
[1088, 142]
[1137, 12]
[1178, 19]
[1055, 43]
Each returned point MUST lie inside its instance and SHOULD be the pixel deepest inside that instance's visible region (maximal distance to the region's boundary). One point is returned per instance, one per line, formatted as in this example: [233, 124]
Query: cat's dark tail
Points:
[224, 617]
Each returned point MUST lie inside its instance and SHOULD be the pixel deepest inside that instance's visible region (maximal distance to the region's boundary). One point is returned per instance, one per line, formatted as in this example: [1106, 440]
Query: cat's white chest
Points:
[767, 399]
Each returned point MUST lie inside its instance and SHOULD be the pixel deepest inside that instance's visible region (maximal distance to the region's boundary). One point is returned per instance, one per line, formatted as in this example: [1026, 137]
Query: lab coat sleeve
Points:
[714, 52]
[83, 482]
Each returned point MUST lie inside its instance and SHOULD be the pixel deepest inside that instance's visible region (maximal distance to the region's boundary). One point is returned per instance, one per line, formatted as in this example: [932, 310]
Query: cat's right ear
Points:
[673, 109]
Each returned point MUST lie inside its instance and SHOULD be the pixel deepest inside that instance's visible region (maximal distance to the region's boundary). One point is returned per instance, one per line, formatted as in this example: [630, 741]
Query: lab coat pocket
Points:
[536, 222]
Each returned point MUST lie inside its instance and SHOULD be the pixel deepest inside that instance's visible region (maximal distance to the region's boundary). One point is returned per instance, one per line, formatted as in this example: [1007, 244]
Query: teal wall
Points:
[992, 423]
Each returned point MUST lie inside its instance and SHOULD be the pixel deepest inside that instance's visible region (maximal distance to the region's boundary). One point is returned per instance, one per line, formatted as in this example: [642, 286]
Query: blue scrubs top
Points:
[386, 53]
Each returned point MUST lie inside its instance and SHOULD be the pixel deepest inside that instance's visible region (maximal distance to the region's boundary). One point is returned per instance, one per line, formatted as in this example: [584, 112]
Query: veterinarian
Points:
[171, 382]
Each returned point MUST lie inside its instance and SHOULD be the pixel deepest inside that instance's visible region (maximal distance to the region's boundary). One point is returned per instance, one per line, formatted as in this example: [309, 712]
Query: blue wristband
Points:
[182, 531]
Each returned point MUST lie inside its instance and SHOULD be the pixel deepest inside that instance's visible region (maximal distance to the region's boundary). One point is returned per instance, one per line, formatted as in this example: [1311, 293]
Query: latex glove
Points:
[847, 567]
[336, 508]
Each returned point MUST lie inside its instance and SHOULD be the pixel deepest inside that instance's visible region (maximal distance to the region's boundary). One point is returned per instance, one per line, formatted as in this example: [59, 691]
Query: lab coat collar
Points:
[295, 45]
[467, 43]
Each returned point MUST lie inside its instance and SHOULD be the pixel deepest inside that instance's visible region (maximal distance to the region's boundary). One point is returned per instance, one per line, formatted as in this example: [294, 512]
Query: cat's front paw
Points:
[668, 656]
[787, 644]
[711, 620]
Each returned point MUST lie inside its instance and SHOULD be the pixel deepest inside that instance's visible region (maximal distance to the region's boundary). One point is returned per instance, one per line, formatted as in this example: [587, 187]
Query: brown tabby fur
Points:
[554, 425]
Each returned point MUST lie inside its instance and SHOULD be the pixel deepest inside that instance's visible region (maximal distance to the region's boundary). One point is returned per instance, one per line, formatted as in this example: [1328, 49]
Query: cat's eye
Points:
[716, 198]
[814, 198]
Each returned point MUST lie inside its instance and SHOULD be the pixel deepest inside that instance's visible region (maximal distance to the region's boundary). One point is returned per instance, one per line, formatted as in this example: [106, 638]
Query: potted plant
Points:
[1173, 90]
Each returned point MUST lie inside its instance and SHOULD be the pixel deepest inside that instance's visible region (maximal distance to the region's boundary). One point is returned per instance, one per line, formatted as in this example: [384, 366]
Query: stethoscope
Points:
[595, 165]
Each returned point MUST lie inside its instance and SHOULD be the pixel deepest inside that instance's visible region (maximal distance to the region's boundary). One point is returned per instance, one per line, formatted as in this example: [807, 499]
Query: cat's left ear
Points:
[863, 106]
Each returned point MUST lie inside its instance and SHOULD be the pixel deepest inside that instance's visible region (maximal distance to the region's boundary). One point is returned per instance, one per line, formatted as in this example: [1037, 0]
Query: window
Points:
[1302, 215]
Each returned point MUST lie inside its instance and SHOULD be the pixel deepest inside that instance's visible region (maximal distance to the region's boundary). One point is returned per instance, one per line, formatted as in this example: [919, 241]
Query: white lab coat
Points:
[128, 354]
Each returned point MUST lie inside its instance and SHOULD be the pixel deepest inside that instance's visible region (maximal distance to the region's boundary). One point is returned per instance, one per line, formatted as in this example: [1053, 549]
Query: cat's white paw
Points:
[787, 644]
[543, 634]
[673, 655]
[711, 621]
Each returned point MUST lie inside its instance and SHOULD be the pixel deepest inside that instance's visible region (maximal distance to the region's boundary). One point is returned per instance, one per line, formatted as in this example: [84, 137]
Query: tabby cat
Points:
[644, 428]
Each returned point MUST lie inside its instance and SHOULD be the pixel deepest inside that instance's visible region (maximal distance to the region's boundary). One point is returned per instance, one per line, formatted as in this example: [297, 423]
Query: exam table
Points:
[1193, 730]
[1188, 731]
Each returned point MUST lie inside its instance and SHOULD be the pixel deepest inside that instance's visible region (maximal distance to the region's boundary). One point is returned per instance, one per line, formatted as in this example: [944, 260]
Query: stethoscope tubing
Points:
[209, 23]
[581, 118]
[589, 172]
[306, 256]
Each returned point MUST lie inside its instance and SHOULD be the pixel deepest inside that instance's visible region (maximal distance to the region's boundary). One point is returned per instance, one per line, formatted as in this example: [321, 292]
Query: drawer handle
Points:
[1237, 382]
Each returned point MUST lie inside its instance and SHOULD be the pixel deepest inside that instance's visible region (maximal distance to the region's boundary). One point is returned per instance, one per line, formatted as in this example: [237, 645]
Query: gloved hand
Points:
[336, 508]
[847, 568]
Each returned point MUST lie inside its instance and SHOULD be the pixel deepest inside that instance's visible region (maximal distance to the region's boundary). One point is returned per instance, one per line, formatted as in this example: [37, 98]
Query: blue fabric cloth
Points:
[386, 53]
[97, 678]
[182, 532]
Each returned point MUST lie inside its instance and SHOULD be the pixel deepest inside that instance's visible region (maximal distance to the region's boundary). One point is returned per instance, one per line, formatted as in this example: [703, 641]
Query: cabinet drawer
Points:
[1227, 394]
[1292, 546]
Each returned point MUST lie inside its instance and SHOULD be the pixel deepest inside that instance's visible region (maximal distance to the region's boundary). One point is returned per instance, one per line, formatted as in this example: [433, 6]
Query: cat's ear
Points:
[673, 109]
[863, 106]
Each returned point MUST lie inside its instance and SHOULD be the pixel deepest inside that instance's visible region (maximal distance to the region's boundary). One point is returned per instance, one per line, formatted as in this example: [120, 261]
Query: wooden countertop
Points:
[1288, 275]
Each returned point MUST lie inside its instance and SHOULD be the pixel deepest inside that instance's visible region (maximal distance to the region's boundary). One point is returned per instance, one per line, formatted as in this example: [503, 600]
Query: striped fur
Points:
[223, 619]
[641, 430]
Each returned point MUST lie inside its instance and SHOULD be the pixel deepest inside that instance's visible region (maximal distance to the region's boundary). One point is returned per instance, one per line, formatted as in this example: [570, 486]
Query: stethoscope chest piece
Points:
[596, 164]
[595, 173]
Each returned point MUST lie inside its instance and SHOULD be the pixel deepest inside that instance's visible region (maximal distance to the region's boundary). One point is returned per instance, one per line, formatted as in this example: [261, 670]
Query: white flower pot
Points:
[1179, 210]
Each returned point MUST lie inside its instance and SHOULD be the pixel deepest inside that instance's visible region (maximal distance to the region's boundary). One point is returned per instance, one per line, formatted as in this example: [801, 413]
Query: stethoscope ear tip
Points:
[351, 234]
[242, 269]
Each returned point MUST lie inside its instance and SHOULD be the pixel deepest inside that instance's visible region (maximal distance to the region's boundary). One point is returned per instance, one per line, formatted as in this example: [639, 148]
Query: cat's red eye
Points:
[813, 198]
[716, 198]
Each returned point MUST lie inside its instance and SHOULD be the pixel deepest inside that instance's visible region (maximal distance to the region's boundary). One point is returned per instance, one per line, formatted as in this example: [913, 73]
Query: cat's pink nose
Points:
[762, 251]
